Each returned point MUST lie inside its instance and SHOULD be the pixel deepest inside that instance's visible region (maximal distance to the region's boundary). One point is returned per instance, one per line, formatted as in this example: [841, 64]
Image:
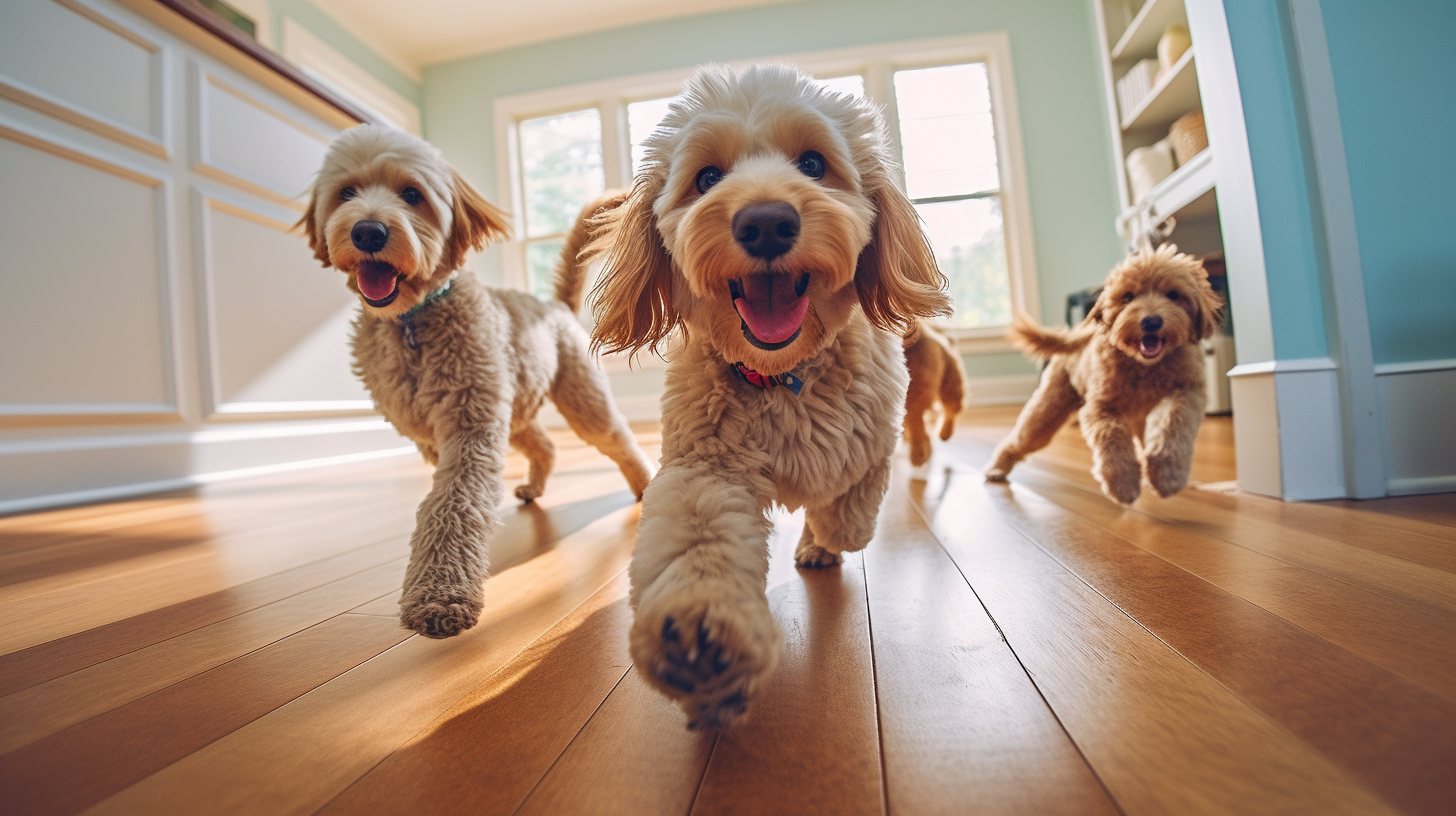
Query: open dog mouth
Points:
[1150, 346]
[771, 306]
[378, 283]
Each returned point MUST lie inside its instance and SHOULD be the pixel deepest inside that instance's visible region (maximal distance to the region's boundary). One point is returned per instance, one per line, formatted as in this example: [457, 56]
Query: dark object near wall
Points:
[232, 17]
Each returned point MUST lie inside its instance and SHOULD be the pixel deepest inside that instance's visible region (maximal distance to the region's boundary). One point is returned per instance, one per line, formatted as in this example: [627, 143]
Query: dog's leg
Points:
[915, 434]
[1114, 454]
[584, 398]
[443, 591]
[844, 525]
[1045, 413]
[1168, 443]
[703, 634]
[532, 440]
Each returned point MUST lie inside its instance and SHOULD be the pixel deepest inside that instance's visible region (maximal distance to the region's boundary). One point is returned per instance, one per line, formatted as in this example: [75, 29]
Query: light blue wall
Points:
[1067, 151]
[1394, 66]
[325, 28]
[1269, 84]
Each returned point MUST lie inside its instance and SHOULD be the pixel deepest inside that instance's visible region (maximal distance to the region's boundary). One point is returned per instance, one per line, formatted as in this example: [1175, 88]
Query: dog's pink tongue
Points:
[376, 280]
[770, 307]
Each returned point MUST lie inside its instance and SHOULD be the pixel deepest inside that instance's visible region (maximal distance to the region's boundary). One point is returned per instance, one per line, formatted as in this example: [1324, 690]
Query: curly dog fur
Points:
[458, 368]
[935, 376]
[766, 225]
[1133, 371]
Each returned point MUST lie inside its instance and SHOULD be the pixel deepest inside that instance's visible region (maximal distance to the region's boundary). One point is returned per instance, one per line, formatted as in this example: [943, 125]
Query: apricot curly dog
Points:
[1133, 370]
[935, 375]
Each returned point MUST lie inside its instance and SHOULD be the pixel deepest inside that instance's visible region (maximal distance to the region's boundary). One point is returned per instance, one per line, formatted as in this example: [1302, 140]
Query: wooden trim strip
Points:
[204, 19]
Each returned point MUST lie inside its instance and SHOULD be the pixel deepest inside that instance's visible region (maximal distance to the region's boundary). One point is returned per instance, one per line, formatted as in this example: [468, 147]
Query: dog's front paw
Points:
[1166, 474]
[811, 555]
[708, 649]
[440, 613]
[996, 474]
[1121, 484]
[528, 492]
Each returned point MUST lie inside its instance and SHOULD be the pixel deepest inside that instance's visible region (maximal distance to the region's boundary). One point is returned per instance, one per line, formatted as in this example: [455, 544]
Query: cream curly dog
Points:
[765, 223]
[459, 368]
[1133, 370]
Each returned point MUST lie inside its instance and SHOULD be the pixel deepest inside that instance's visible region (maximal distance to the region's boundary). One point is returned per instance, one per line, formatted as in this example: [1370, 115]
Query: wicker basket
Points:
[1188, 136]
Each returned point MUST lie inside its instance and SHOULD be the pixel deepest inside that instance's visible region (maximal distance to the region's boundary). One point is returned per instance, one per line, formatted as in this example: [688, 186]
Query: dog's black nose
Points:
[369, 236]
[766, 229]
[1152, 324]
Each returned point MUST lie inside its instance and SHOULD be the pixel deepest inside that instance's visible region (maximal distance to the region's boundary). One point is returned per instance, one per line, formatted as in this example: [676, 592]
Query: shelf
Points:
[1175, 95]
[1187, 192]
[1142, 35]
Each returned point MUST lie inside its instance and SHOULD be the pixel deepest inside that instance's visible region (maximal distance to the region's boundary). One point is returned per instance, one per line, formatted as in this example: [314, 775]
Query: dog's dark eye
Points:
[1127, 298]
[411, 196]
[812, 165]
[1173, 295]
[707, 177]
[347, 193]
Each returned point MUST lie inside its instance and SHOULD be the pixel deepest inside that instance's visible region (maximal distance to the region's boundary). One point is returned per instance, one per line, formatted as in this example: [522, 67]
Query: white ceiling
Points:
[415, 33]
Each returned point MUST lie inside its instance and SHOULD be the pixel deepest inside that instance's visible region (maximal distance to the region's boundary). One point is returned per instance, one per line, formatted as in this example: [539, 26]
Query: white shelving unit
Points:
[1130, 32]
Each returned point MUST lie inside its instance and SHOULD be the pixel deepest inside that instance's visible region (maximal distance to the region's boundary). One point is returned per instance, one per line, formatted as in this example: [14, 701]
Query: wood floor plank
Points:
[1353, 711]
[1359, 566]
[127, 744]
[810, 742]
[299, 757]
[962, 726]
[1412, 639]
[38, 711]
[486, 753]
[50, 608]
[1163, 736]
[46, 661]
[633, 758]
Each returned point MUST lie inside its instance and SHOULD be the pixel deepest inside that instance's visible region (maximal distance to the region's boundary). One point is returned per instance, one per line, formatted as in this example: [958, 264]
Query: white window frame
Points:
[876, 63]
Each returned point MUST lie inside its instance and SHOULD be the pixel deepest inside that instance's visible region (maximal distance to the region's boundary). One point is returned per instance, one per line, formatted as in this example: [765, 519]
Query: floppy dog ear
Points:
[632, 300]
[474, 221]
[310, 226]
[1208, 312]
[897, 277]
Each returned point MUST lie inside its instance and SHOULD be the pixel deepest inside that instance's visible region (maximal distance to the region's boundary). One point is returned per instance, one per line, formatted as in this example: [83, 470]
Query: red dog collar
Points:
[768, 381]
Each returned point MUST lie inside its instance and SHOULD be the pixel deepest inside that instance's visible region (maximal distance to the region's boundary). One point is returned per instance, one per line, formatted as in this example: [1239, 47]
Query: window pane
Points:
[852, 84]
[643, 118]
[541, 260]
[970, 246]
[946, 130]
[561, 166]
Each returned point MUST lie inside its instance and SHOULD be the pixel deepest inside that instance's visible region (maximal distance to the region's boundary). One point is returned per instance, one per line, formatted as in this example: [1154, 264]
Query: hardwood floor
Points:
[1022, 649]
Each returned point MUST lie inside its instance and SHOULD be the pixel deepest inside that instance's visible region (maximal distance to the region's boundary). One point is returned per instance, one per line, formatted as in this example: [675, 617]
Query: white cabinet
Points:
[162, 323]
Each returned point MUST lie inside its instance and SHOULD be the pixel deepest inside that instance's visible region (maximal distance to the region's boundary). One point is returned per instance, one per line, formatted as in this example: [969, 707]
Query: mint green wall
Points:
[325, 28]
[1394, 66]
[1067, 151]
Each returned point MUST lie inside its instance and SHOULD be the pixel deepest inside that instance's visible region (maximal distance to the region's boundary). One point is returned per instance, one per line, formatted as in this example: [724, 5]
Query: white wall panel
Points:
[245, 140]
[84, 329]
[60, 54]
[279, 322]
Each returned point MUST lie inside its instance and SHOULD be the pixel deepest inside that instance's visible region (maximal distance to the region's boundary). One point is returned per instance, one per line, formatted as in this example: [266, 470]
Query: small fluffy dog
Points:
[935, 375]
[765, 223]
[1133, 370]
[459, 368]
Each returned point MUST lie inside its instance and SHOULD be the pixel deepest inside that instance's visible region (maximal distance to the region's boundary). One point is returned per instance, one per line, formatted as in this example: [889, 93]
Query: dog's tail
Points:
[571, 267]
[1042, 342]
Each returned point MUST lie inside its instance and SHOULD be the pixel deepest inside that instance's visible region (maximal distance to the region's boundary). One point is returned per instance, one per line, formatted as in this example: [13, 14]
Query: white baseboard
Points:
[53, 472]
[1287, 429]
[1009, 389]
[1416, 401]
